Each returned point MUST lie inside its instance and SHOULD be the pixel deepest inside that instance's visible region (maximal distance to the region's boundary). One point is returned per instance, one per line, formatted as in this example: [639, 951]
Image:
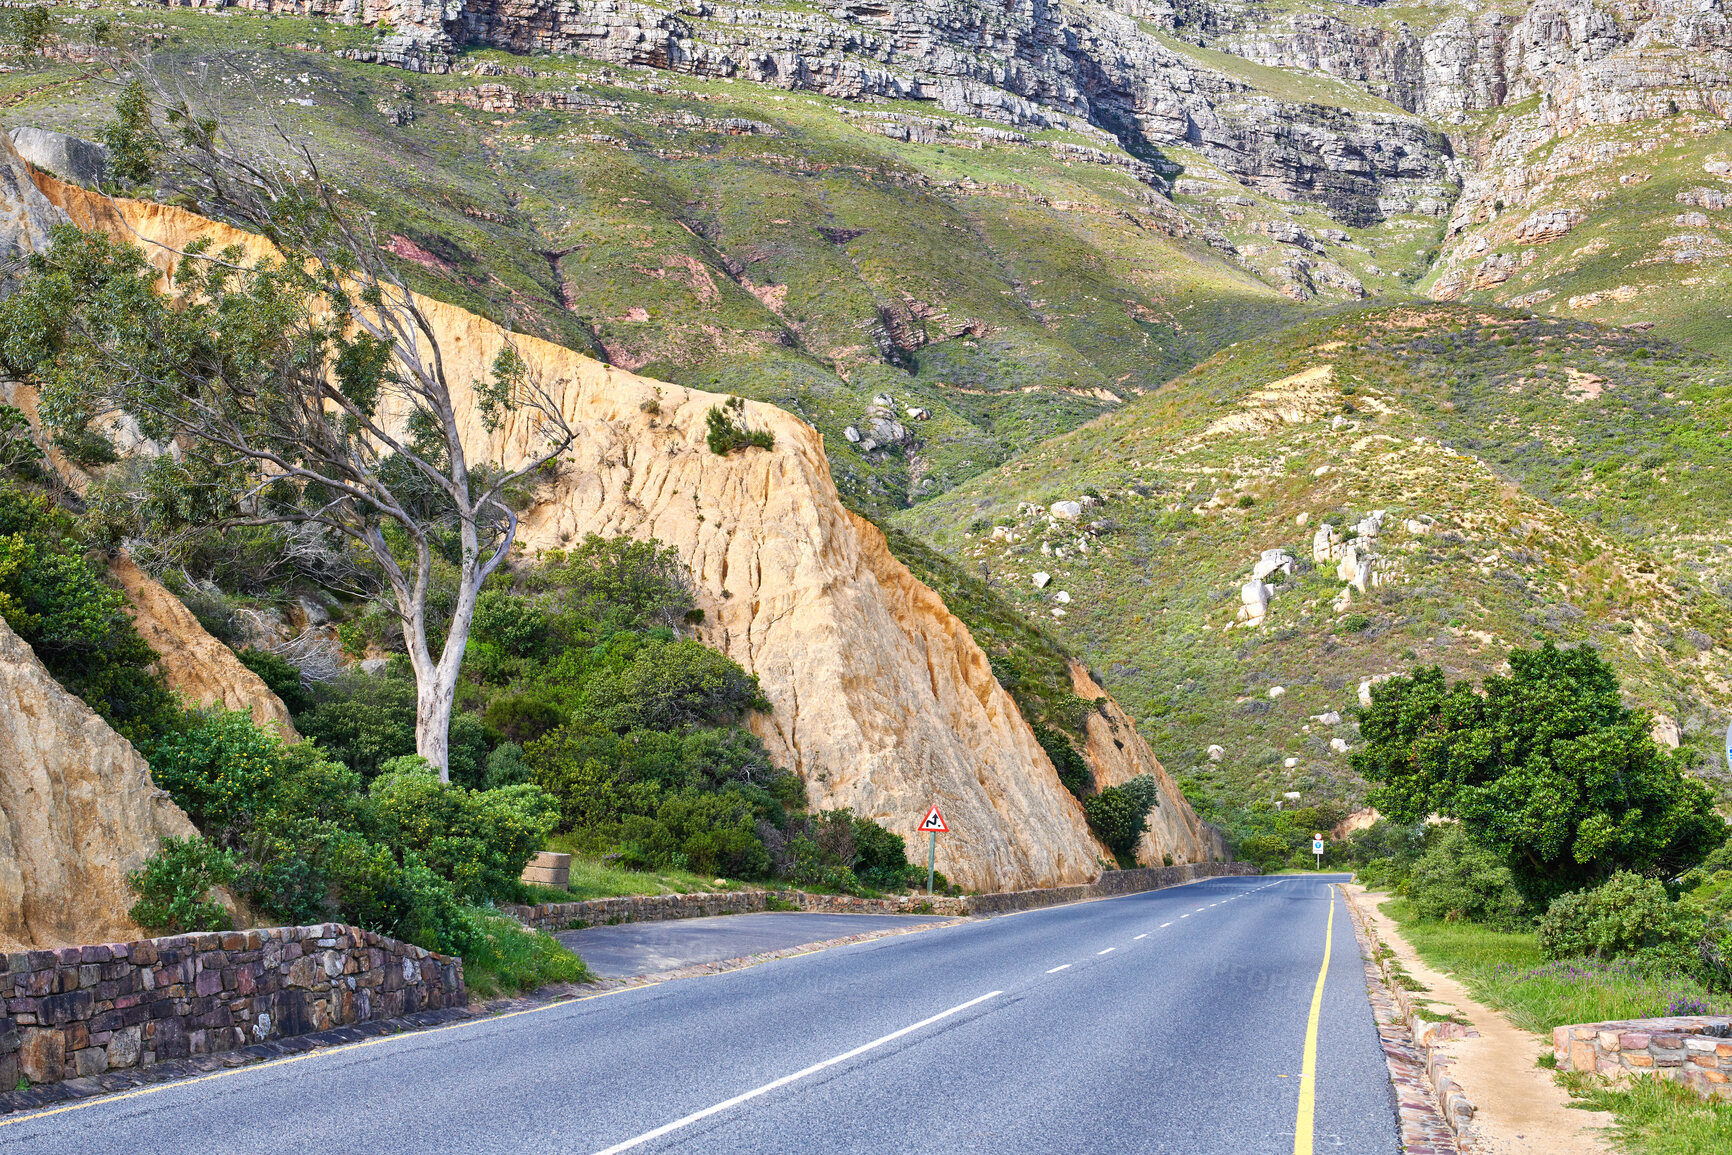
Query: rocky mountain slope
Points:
[1246, 551]
[948, 235]
[882, 700]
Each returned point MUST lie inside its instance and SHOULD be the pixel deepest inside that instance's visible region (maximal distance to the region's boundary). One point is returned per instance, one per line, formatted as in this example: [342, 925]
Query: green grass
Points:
[593, 878]
[510, 959]
[1657, 1116]
[1506, 972]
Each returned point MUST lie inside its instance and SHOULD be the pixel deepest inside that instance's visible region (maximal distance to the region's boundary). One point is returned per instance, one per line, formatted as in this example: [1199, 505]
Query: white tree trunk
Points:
[434, 696]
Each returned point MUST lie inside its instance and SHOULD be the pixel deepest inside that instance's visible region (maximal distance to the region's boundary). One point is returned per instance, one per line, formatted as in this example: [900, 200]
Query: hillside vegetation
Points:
[1537, 479]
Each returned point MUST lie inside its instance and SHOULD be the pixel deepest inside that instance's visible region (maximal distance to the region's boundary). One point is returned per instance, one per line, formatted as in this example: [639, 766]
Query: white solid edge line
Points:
[1056, 969]
[725, 1104]
[1109, 950]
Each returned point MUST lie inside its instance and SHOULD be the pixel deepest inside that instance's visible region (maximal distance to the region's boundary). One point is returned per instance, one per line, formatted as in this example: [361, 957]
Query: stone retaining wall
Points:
[80, 1011]
[1692, 1049]
[656, 908]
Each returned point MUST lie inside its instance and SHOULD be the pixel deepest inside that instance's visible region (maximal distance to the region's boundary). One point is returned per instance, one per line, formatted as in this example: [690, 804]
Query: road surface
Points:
[1172, 1021]
[646, 948]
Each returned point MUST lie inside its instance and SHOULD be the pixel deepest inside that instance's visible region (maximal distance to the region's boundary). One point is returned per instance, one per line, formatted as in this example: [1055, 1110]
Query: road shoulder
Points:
[1518, 1108]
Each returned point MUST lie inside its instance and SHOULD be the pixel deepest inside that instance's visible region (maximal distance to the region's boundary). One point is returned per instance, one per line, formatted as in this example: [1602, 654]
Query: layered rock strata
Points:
[1082, 67]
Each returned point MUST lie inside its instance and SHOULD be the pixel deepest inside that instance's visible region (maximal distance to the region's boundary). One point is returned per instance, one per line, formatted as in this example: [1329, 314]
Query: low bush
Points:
[1628, 916]
[727, 431]
[1456, 878]
[174, 884]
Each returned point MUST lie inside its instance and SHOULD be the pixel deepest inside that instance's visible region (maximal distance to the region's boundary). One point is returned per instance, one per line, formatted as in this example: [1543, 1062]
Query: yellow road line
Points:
[1308, 1073]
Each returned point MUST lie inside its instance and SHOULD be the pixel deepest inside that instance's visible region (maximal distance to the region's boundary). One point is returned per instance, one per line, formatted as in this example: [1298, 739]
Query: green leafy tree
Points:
[133, 144]
[310, 385]
[1546, 766]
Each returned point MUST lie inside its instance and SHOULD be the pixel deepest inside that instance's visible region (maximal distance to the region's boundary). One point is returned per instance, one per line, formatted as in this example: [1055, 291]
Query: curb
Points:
[1426, 1035]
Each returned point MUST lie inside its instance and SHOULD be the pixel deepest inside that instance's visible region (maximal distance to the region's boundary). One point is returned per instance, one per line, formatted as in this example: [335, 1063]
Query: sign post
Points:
[934, 825]
[1317, 847]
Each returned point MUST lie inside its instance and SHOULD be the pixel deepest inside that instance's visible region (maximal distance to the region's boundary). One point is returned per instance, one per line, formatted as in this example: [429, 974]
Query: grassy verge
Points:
[1656, 1117]
[508, 959]
[591, 877]
[1505, 972]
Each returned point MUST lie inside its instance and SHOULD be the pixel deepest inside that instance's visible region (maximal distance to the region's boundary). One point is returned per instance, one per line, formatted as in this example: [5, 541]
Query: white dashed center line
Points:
[1140, 937]
[1055, 970]
[1164, 925]
[1109, 950]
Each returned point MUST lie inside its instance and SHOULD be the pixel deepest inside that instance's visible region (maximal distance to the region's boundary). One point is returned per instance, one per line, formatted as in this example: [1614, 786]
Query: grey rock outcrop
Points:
[27, 218]
[67, 157]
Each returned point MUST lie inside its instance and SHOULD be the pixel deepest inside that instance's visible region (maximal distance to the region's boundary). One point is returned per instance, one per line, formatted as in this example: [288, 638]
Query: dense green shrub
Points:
[58, 602]
[669, 685]
[1119, 814]
[174, 884]
[1457, 878]
[281, 675]
[478, 841]
[1628, 916]
[1546, 766]
[1073, 769]
[218, 770]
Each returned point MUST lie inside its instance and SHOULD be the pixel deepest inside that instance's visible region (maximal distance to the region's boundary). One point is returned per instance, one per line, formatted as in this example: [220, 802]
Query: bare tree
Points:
[308, 388]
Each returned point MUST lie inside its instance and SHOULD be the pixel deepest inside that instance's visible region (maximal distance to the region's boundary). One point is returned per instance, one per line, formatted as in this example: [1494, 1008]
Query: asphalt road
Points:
[646, 948]
[1173, 1021]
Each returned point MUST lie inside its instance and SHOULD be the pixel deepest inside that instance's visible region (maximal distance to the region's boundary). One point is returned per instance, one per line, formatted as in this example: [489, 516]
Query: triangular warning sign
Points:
[934, 822]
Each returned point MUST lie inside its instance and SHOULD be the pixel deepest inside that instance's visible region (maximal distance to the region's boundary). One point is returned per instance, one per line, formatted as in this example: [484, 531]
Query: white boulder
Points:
[1041, 579]
[1216, 753]
[1272, 560]
[1277, 691]
[1062, 598]
[1339, 745]
[1666, 731]
[1290, 763]
[1069, 510]
[1254, 599]
[1328, 718]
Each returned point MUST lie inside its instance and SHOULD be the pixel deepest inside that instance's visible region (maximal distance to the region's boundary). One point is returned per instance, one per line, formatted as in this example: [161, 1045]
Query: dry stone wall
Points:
[81, 1011]
[664, 907]
[1695, 1050]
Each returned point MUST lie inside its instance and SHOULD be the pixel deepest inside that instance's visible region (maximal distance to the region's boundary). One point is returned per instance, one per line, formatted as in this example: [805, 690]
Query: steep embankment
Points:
[77, 811]
[189, 659]
[882, 701]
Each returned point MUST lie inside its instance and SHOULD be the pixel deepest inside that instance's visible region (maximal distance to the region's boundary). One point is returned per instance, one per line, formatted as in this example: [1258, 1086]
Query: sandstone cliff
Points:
[1117, 753]
[195, 664]
[77, 811]
[882, 700]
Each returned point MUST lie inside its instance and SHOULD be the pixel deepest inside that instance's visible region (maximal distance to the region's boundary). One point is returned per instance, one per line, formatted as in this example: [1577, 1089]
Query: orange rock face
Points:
[881, 699]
